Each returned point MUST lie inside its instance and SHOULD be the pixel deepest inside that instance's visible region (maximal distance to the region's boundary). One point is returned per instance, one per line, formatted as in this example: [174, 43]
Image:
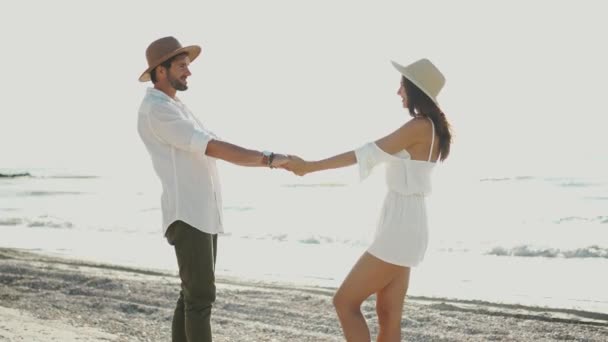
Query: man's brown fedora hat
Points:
[164, 48]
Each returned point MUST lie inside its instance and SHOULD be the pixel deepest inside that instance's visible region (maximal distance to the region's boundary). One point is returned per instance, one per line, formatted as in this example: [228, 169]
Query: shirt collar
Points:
[159, 94]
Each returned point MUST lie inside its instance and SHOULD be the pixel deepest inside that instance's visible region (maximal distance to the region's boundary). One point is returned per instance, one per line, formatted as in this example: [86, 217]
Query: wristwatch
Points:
[267, 158]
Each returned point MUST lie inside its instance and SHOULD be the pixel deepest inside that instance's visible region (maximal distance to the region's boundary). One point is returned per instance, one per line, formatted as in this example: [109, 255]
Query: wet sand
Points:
[44, 298]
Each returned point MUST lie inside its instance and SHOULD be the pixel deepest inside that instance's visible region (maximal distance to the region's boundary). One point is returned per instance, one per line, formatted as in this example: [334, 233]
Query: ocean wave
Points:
[304, 239]
[310, 241]
[314, 185]
[38, 222]
[42, 174]
[70, 177]
[530, 251]
[502, 179]
[11, 221]
[598, 198]
[15, 175]
[49, 222]
[49, 193]
[564, 182]
[495, 179]
[600, 219]
[576, 184]
[276, 237]
[149, 209]
[573, 182]
[238, 208]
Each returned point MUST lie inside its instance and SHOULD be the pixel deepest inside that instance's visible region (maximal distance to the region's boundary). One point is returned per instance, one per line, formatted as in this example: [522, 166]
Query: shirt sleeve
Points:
[172, 128]
[365, 160]
[370, 155]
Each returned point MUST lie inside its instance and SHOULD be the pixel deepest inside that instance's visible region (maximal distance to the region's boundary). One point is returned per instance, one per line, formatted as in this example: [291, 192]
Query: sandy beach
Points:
[44, 298]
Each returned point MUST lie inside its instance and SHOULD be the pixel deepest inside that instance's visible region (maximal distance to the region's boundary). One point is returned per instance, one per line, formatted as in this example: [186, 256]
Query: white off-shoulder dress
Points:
[402, 233]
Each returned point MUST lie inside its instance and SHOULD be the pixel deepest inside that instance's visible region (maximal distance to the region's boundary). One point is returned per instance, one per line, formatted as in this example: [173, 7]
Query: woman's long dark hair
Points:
[420, 104]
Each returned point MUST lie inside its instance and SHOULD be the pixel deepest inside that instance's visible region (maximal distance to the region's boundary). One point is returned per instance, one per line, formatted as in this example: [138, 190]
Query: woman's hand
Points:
[297, 165]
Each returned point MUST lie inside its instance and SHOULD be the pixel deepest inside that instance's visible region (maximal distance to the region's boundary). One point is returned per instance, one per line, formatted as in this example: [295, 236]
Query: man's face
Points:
[179, 72]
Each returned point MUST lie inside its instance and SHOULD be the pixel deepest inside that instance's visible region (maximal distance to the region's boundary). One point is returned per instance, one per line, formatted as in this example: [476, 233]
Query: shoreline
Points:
[74, 300]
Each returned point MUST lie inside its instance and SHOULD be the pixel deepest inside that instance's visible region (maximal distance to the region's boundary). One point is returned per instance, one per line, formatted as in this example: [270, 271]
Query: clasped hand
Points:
[291, 163]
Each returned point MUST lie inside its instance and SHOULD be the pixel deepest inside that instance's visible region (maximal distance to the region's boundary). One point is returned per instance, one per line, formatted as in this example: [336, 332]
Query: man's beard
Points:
[175, 83]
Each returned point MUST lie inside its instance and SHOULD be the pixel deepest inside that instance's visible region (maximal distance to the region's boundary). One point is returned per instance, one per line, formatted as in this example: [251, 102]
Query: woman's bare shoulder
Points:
[418, 124]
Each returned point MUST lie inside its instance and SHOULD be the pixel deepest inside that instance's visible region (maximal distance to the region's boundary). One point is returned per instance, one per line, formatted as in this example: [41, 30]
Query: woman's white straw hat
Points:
[424, 75]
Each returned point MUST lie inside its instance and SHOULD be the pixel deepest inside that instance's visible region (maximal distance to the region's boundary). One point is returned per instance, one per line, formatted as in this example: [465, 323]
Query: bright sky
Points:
[525, 91]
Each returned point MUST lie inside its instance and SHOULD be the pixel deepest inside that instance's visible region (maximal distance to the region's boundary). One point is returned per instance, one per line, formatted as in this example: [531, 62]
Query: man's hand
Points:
[279, 161]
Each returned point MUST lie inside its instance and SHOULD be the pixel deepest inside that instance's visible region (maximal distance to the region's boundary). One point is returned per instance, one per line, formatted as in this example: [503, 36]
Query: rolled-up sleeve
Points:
[175, 130]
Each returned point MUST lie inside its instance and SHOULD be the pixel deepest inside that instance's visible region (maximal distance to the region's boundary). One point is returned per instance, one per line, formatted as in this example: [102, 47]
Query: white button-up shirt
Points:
[177, 141]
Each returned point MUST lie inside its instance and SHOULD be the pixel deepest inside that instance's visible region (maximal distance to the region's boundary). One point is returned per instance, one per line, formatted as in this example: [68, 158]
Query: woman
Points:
[400, 242]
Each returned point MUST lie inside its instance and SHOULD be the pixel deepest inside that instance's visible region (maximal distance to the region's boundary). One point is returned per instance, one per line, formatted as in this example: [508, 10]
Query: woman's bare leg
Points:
[389, 306]
[368, 276]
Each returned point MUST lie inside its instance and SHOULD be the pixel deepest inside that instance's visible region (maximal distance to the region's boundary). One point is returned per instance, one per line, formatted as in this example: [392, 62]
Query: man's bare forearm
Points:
[234, 154]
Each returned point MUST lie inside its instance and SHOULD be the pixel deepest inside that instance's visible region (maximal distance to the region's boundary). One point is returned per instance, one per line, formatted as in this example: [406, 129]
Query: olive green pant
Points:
[196, 252]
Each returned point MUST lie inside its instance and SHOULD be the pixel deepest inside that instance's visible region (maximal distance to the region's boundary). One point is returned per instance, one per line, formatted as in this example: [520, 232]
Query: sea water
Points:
[527, 239]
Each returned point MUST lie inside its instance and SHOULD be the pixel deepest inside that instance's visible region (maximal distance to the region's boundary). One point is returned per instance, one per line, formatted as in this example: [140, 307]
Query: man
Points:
[183, 154]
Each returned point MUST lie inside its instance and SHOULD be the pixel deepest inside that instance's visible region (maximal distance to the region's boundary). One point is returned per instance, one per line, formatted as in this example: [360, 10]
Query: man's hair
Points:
[166, 64]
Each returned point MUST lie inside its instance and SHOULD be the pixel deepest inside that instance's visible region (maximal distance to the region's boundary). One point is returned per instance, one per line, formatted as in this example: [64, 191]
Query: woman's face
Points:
[401, 92]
